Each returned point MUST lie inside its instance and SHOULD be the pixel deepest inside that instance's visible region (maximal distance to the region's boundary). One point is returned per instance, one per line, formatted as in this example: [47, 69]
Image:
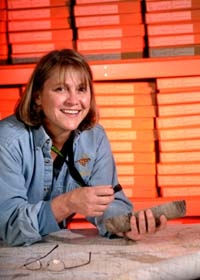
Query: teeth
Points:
[70, 111]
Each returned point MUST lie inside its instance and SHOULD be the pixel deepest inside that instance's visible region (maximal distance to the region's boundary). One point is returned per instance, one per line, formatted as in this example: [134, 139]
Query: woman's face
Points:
[64, 102]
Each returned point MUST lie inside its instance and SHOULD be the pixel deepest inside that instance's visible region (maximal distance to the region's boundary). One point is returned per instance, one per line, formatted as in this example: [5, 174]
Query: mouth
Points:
[71, 112]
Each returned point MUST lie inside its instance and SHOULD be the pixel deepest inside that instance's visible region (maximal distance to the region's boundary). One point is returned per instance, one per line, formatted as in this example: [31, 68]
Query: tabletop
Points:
[170, 254]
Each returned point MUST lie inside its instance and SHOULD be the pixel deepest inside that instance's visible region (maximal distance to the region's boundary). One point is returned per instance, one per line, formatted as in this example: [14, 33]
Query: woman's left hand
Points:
[144, 224]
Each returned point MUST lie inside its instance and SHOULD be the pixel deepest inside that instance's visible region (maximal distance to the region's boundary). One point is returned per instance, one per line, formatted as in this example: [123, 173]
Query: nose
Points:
[72, 98]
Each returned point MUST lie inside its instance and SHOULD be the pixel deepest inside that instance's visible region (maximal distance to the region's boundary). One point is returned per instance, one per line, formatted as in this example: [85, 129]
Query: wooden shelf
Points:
[146, 68]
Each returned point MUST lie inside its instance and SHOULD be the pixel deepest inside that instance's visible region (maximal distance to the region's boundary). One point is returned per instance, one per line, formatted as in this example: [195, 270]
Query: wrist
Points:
[61, 207]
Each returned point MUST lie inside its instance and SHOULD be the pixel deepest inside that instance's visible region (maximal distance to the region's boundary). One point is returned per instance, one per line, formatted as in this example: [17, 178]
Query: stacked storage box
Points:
[108, 30]
[3, 29]
[9, 98]
[37, 27]
[178, 127]
[127, 112]
[173, 27]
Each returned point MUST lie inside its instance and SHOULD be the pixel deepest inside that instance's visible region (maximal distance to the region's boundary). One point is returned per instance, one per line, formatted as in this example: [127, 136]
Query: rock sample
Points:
[171, 210]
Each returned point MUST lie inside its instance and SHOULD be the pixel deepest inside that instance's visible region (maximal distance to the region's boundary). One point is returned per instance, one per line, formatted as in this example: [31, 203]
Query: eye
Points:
[59, 89]
[82, 88]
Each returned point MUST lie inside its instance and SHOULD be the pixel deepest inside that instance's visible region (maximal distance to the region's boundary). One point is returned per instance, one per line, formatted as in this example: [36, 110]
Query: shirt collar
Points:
[40, 136]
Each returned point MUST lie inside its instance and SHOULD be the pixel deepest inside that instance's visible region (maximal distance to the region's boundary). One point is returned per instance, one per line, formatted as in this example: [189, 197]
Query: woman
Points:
[38, 188]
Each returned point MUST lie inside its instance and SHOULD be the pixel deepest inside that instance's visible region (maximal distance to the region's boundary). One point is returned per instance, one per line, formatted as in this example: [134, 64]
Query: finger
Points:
[104, 200]
[104, 190]
[133, 233]
[163, 222]
[95, 194]
[142, 222]
[134, 226]
[151, 222]
[96, 211]
[101, 208]
[96, 214]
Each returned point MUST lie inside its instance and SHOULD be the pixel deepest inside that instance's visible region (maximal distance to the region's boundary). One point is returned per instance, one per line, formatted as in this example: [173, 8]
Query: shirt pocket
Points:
[84, 164]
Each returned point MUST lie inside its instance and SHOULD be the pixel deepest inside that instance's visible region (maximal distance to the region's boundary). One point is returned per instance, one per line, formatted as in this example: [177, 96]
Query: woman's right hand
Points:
[87, 201]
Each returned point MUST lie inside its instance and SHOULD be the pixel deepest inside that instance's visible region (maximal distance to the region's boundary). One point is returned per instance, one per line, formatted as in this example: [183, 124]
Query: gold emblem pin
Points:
[83, 161]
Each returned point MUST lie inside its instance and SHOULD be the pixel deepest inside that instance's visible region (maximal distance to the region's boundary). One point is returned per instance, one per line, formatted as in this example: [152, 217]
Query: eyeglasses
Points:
[55, 265]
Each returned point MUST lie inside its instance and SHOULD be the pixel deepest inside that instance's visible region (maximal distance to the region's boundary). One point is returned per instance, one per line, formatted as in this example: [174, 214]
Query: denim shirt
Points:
[27, 183]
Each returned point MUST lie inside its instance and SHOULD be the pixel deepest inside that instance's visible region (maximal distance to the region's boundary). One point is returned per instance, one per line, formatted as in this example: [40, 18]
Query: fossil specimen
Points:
[171, 210]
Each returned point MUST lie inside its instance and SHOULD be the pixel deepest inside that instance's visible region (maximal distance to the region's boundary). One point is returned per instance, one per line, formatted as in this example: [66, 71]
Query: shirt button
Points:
[47, 160]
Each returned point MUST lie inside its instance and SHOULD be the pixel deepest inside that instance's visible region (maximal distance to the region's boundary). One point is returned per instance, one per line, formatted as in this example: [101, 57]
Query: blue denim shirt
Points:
[27, 184]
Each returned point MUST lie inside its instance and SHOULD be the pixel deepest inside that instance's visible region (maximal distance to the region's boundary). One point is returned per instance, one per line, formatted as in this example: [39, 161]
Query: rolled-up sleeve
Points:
[21, 222]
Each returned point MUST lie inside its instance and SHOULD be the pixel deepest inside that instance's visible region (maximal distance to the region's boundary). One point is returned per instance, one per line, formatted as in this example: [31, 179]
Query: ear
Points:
[38, 99]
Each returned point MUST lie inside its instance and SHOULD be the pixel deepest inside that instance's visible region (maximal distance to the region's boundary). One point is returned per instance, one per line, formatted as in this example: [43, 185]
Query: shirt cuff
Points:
[46, 220]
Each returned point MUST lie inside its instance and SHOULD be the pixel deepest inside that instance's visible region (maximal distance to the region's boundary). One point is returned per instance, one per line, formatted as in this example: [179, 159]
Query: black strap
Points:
[72, 169]
[67, 150]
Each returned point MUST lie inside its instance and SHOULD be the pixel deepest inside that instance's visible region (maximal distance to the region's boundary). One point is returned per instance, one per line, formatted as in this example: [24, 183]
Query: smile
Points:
[72, 112]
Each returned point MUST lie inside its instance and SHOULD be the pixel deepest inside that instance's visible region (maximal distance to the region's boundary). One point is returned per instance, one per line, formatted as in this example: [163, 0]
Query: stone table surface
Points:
[110, 259]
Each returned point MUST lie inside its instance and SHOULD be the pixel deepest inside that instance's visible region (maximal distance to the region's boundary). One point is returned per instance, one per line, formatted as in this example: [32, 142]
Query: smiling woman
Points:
[42, 187]
[65, 105]
[59, 72]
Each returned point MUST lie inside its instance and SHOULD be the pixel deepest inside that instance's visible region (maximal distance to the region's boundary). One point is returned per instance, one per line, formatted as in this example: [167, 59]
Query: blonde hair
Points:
[64, 60]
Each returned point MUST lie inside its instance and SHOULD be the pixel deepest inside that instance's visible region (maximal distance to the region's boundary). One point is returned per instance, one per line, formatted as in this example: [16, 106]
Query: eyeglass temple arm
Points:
[48, 253]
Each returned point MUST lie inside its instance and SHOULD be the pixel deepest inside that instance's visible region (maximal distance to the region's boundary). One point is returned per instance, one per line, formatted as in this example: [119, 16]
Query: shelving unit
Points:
[146, 68]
